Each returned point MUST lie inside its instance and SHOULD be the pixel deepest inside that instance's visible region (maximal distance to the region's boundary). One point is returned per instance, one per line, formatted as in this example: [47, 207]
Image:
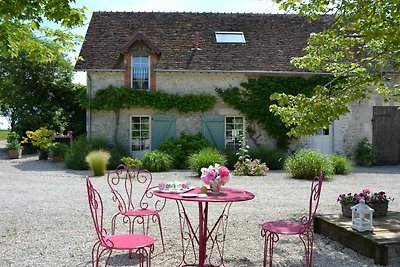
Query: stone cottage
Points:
[192, 53]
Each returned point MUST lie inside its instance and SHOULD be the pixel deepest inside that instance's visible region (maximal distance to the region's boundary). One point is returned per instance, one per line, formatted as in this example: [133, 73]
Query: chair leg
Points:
[308, 239]
[269, 239]
[161, 232]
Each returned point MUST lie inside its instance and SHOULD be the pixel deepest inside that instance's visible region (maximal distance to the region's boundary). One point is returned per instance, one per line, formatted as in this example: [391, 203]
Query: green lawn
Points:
[3, 134]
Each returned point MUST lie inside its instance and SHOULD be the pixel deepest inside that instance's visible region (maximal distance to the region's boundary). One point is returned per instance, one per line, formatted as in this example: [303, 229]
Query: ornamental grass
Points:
[97, 161]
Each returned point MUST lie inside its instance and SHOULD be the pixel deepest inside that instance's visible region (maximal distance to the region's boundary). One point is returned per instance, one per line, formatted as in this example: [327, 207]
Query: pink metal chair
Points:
[271, 230]
[135, 186]
[140, 244]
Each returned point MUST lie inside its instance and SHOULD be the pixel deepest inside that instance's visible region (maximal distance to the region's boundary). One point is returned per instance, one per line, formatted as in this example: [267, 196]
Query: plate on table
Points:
[188, 195]
[175, 190]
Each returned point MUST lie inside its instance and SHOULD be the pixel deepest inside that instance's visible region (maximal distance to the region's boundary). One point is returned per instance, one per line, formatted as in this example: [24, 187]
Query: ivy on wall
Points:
[116, 98]
[253, 100]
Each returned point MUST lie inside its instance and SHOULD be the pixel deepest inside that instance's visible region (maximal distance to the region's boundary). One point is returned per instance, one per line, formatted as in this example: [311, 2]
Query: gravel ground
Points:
[45, 220]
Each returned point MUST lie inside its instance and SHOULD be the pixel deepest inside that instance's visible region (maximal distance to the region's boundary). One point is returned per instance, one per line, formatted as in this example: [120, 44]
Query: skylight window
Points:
[230, 37]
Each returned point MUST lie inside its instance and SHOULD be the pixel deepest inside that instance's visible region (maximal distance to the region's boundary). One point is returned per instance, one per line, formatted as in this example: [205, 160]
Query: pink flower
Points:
[223, 171]
[366, 191]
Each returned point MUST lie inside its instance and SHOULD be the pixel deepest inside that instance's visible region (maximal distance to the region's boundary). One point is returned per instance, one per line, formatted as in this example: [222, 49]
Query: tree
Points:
[360, 48]
[40, 94]
[21, 20]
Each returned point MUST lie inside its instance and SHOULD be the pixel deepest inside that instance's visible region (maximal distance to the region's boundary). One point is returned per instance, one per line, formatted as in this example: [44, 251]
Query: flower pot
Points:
[43, 154]
[379, 209]
[346, 210]
[15, 153]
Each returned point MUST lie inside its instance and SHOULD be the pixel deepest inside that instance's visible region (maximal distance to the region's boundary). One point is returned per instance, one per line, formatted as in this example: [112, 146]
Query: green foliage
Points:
[274, 158]
[254, 100]
[58, 149]
[131, 162]
[117, 152]
[13, 141]
[20, 20]
[114, 98]
[34, 93]
[41, 138]
[75, 155]
[231, 158]
[97, 161]
[359, 47]
[365, 153]
[204, 158]
[182, 147]
[306, 164]
[341, 164]
[157, 161]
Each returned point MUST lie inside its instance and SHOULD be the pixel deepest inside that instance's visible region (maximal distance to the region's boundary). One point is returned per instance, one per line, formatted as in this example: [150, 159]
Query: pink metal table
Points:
[214, 233]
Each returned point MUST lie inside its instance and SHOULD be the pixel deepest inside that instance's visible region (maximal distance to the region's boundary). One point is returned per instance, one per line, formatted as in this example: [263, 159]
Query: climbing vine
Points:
[116, 98]
[253, 100]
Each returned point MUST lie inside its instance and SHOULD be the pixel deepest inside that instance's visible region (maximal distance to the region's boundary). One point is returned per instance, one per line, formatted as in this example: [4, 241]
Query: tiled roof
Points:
[271, 40]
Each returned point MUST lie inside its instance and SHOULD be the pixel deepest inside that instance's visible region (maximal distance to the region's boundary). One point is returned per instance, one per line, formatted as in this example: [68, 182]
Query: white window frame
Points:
[148, 72]
[236, 137]
[230, 37]
[139, 152]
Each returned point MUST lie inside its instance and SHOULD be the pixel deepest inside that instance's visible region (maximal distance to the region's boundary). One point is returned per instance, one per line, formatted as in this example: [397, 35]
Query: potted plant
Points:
[41, 138]
[14, 145]
[377, 201]
[57, 151]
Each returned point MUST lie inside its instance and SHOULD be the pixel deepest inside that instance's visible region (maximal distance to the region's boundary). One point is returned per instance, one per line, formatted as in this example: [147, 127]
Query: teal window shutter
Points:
[213, 129]
[163, 127]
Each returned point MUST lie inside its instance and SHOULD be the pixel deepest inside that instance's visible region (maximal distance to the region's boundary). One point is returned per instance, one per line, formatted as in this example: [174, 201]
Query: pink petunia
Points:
[366, 191]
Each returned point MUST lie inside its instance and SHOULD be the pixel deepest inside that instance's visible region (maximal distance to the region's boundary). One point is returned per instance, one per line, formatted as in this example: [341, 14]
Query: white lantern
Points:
[361, 217]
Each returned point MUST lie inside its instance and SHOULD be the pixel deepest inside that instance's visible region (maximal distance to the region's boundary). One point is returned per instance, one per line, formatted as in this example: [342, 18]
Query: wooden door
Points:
[386, 134]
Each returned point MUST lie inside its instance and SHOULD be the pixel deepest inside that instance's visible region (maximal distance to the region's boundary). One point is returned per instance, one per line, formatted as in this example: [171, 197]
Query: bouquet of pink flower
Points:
[215, 176]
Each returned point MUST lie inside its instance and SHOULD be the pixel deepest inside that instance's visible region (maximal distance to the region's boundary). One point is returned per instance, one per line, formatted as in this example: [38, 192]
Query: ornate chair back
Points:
[133, 189]
[314, 201]
[96, 210]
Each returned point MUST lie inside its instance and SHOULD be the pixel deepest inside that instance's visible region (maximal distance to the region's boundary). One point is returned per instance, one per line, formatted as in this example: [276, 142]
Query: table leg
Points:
[202, 235]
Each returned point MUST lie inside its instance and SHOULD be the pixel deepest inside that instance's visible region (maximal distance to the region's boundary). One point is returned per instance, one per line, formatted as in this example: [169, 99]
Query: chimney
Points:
[196, 42]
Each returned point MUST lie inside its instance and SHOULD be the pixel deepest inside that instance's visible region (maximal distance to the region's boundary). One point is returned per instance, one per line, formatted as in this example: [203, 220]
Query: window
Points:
[230, 37]
[233, 132]
[140, 72]
[322, 131]
[140, 133]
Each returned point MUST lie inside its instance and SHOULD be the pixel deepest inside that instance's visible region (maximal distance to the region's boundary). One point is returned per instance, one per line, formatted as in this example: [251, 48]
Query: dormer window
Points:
[140, 72]
[230, 38]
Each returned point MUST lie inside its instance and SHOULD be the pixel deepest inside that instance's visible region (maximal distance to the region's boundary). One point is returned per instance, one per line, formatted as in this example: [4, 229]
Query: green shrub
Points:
[75, 154]
[58, 149]
[274, 158]
[181, 148]
[341, 164]
[131, 162]
[365, 154]
[117, 151]
[204, 158]
[157, 161]
[231, 158]
[13, 141]
[306, 164]
[97, 161]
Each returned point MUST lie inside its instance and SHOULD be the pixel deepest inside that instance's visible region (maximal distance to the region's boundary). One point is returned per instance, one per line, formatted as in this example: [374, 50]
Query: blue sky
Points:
[242, 6]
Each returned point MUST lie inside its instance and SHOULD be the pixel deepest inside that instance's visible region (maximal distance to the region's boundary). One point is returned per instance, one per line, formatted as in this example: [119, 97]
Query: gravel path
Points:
[45, 221]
